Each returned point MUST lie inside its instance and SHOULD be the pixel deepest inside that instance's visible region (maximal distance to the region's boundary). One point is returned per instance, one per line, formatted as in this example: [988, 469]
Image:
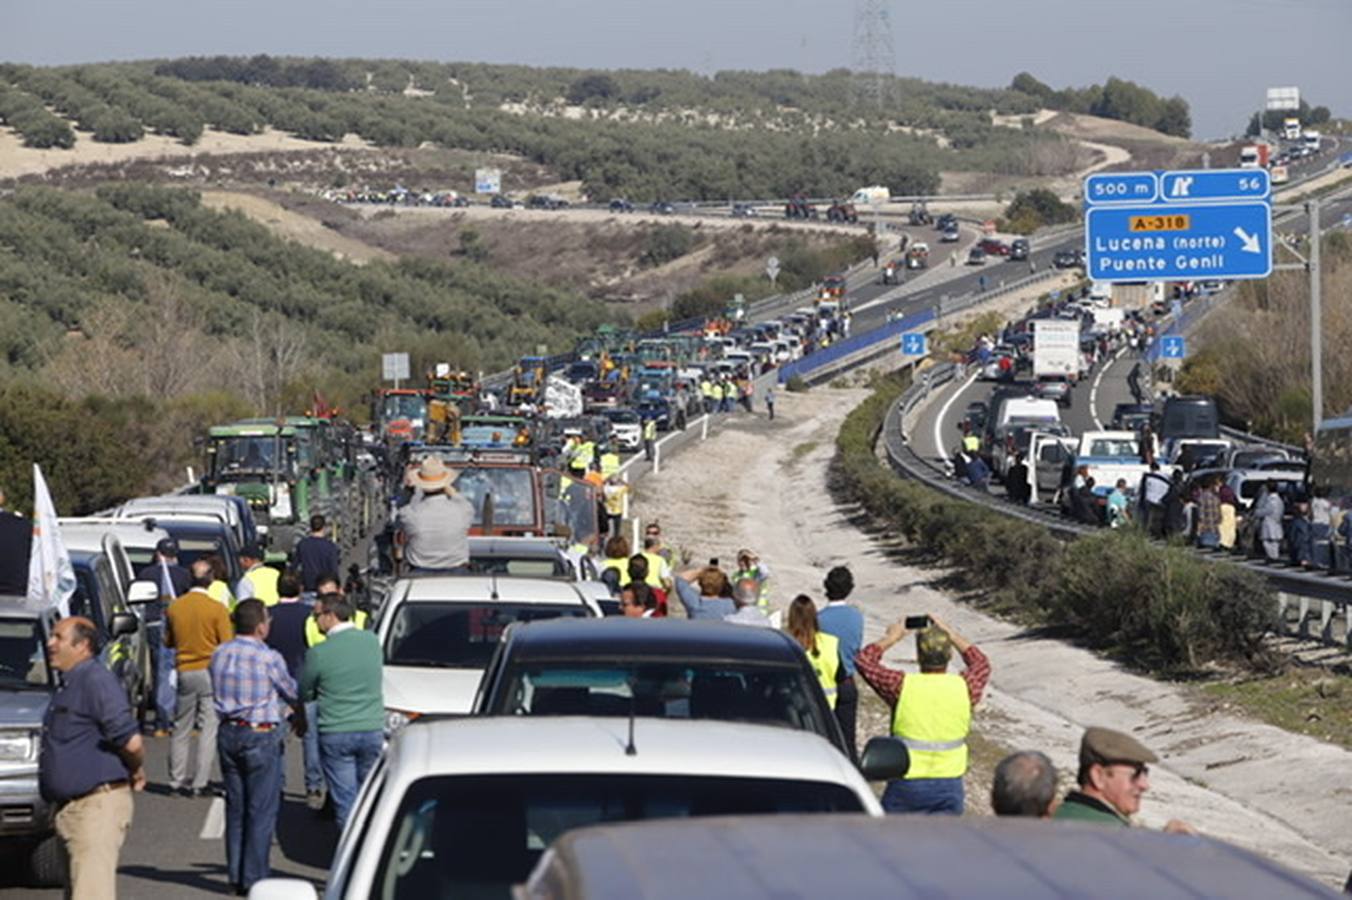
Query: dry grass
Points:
[1306, 701]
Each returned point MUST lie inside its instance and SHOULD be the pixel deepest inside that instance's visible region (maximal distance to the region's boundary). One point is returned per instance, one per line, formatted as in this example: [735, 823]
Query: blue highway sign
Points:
[1173, 346]
[1173, 242]
[914, 343]
[1215, 184]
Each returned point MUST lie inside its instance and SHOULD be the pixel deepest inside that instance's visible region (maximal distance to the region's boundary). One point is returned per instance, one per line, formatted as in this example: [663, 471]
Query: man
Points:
[770, 402]
[652, 543]
[16, 541]
[1025, 785]
[1269, 509]
[252, 683]
[343, 675]
[978, 473]
[1299, 537]
[658, 573]
[614, 497]
[1016, 481]
[286, 633]
[705, 593]
[196, 624]
[1154, 494]
[639, 569]
[744, 596]
[174, 581]
[931, 713]
[649, 438]
[1208, 515]
[316, 555]
[846, 623]
[750, 568]
[258, 581]
[436, 524]
[1113, 777]
[90, 761]
[636, 601]
[1116, 507]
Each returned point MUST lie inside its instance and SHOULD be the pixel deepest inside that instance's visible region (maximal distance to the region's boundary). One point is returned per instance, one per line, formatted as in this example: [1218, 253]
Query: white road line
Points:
[1093, 390]
[213, 827]
[943, 414]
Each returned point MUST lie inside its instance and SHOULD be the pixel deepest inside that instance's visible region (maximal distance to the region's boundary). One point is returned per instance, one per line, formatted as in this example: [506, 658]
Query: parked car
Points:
[662, 208]
[501, 201]
[744, 211]
[950, 235]
[1018, 249]
[667, 669]
[1054, 387]
[1066, 259]
[976, 257]
[994, 247]
[621, 205]
[467, 807]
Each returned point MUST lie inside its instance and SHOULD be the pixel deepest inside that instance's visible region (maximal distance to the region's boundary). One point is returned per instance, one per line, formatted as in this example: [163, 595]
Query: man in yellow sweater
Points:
[196, 624]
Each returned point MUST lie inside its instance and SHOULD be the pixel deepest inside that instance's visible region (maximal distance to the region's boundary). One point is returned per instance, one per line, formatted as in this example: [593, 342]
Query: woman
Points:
[822, 649]
[617, 558]
[219, 588]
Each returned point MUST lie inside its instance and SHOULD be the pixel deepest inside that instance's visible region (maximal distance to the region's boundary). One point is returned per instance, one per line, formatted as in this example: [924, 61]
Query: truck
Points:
[1056, 348]
[1254, 156]
[1310, 140]
[1109, 456]
[1291, 128]
[874, 193]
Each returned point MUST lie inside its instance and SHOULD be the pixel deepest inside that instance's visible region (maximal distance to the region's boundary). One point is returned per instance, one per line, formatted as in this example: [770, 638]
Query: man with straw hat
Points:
[436, 523]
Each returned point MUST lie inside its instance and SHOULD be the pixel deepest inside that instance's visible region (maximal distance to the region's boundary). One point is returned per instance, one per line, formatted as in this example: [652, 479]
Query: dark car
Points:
[1132, 416]
[662, 208]
[946, 222]
[976, 257]
[1018, 249]
[744, 211]
[546, 201]
[500, 201]
[664, 668]
[202, 537]
[1066, 259]
[621, 205]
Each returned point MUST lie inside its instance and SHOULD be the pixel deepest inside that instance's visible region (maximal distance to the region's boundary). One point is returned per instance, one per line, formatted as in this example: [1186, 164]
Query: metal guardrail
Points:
[1334, 588]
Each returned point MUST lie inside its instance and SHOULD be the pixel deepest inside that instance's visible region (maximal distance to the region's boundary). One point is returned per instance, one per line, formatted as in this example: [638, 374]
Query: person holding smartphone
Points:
[931, 712]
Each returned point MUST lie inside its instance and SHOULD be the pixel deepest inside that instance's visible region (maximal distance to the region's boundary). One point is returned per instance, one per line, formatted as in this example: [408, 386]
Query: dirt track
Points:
[763, 485]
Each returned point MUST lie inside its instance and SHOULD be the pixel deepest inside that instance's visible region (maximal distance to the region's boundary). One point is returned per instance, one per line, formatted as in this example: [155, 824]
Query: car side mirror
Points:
[142, 591]
[124, 624]
[885, 758]
[282, 889]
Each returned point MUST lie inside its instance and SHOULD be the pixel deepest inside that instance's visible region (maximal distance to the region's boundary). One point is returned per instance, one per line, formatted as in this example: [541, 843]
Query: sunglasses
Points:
[1138, 770]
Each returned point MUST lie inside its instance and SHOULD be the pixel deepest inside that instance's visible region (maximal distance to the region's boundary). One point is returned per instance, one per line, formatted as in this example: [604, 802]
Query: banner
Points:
[563, 400]
[51, 577]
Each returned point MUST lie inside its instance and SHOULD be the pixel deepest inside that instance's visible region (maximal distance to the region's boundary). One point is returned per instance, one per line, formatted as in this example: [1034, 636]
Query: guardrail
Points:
[1332, 590]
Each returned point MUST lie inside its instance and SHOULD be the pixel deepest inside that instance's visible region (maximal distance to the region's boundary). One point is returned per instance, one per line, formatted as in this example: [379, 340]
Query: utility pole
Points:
[872, 57]
[1316, 317]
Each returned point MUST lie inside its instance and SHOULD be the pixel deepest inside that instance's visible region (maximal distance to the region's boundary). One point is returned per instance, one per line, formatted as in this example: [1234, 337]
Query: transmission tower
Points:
[872, 57]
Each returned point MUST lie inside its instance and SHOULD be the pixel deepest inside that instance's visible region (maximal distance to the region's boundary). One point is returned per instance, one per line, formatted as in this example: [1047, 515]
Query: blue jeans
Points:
[924, 795]
[346, 757]
[164, 661]
[314, 773]
[1209, 540]
[251, 765]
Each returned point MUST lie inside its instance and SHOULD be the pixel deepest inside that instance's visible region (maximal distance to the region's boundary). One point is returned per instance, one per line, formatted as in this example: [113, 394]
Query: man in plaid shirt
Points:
[251, 683]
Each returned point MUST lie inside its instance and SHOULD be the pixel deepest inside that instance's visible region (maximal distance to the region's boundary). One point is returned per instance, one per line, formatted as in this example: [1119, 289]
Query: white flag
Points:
[51, 577]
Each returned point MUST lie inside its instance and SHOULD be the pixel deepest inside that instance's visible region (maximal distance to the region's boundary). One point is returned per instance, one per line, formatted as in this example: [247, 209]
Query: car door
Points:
[1050, 453]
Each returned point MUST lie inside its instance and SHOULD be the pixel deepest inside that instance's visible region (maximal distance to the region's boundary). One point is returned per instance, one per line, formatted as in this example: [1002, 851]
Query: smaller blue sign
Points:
[914, 343]
[1215, 184]
[1173, 346]
[1121, 187]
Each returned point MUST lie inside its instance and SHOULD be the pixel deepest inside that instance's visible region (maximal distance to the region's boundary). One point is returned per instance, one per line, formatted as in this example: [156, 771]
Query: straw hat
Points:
[433, 475]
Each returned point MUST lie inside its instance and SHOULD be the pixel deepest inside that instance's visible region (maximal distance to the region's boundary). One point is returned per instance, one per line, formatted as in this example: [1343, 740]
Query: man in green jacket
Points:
[1113, 777]
[343, 675]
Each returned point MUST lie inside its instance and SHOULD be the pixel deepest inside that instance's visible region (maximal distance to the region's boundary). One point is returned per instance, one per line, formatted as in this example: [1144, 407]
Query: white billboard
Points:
[488, 181]
[1283, 98]
[394, 366]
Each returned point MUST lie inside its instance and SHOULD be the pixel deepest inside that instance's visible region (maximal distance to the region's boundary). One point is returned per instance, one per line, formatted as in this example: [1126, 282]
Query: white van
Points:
[1028, 410]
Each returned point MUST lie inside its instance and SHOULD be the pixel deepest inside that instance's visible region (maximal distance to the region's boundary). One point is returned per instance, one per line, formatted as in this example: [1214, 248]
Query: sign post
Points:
[394, 367]
[772, 268]
[488, 181]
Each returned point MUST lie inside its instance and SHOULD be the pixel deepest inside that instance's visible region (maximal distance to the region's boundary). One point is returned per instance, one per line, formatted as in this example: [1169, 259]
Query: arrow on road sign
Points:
[1251, 244]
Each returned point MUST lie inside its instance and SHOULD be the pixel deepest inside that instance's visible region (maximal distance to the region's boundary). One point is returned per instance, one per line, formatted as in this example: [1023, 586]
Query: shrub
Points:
[796, 384]
[666, 243]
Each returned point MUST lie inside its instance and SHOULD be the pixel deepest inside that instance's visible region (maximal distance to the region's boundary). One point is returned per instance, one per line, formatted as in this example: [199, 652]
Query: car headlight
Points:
[396, 719]
[18, 746]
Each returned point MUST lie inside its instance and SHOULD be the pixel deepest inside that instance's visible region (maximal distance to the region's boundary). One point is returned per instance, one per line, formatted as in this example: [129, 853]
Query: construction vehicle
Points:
[842, 212]
[832, 288]
[798, 207]
[452, 383]
[528, 380]
[400, 414]
[920, 214]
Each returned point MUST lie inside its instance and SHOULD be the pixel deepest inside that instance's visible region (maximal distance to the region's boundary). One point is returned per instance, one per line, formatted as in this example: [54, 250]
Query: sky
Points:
[1220, 55]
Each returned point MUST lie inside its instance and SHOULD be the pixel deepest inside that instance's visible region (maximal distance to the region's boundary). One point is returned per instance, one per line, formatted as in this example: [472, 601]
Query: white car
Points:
[467, 807]
[439, 631]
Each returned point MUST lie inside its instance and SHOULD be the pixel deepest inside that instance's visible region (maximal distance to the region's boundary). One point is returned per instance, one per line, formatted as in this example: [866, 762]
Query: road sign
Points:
[1121, 187]
[1215, 184]
[488, 181]
[394, 366]
[1283, 98]
[1172, 242]
[772, 267]
[1176, 309]
[1173, 346]
[914, 343]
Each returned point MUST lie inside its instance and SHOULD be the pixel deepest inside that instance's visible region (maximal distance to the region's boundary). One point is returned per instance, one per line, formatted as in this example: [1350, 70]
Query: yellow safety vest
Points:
[971, 443]
[718, 391]
[610, 464]
[264, 581]
[655, 564]
[650, 430]
[932, 718]
[614, 501]
[619, 565]
[706, 388]
[220, 592]
[825, 662]
[583, 455]
[314, 636]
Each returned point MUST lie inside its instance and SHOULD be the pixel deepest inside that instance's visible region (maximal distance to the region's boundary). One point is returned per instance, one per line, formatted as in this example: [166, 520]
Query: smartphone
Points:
[714, 562]
[915, 623]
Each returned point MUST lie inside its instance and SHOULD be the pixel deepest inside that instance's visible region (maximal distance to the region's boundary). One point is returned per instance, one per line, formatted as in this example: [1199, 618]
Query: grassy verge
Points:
[1304, 701]
[1158, 608]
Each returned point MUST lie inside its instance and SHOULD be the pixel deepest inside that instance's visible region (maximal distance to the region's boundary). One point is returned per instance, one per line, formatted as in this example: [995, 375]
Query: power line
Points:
[872, 57]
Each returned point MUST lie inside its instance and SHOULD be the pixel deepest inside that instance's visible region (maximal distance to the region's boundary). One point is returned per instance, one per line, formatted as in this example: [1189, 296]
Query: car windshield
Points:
[405, 406]
[764, 695]
[476, 836]
[247, 454]
[519, 566]
[23, 660]
[1114, 447]
[460, 635]
[512, 490]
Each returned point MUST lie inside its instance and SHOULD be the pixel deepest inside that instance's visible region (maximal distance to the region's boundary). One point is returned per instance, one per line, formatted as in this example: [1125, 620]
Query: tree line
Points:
[1114, 99]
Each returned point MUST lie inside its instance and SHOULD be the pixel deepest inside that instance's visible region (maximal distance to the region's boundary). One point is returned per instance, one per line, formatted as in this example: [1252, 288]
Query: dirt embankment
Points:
[764, 485]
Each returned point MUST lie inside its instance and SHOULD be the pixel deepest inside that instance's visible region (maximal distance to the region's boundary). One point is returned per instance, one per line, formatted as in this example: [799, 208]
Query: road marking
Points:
[1094, 388]
[213, 828]
[943, 414]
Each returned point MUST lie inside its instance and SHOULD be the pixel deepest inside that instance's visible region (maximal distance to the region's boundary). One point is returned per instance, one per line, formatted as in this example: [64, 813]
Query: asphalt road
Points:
[175, 850]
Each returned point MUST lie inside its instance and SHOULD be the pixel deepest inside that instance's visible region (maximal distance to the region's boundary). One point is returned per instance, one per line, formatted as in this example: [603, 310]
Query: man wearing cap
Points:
[259, 582]
[173, 581]
[435, 524]
[1114, 775]
[931, 713]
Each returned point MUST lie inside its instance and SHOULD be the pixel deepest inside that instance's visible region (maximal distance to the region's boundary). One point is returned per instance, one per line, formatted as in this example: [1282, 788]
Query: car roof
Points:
[908, 857]
[623, 638]
[518, 548]
[89, 533]
[487, 589]
[493, 745]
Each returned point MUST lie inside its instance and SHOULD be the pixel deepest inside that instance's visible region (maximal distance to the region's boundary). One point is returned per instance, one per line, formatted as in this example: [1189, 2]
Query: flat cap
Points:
[1106, 747]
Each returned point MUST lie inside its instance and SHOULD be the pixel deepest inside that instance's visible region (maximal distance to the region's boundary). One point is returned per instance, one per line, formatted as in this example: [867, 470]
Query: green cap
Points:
[1107, 747]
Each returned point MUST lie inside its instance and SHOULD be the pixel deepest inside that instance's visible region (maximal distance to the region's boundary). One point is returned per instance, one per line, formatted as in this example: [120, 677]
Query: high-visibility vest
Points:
[583, 456]
[971, 443]
[220, 592]
[264, 581]
[314, 636]
[610, 464]
[614, 501]
[932, 718]
[655, 564]
[762, 585]
[706, 388]
[718, 392]
[825, 662]
[619, 565]
[650, 430]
